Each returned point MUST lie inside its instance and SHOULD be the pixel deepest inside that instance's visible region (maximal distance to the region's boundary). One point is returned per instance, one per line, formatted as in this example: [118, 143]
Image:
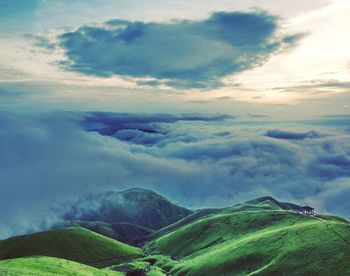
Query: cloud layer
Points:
[280, 134]
[179, 53]
[48, 161]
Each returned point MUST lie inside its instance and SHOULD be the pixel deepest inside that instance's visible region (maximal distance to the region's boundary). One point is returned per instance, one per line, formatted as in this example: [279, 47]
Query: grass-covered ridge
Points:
[128, 233]
[265, 203]
[258, 237]
[219, 228]
[76, 244]
[46, 266]
[186, 220]
[258, 243]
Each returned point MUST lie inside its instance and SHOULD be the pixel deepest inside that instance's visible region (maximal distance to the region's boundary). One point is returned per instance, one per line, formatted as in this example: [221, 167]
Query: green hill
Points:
[258, 237]
[220, 228]
[190, 218]
[76, 244]
[274, 242]
[263, 203]
[136, 206]
[124, 232]
[47, 266]
[138, 268]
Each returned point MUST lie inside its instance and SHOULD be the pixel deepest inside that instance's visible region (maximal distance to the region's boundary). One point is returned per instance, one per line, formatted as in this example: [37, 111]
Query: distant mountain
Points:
[136, 206]
[263, 203]
[265, 200]
[268, 200]
[76, 244]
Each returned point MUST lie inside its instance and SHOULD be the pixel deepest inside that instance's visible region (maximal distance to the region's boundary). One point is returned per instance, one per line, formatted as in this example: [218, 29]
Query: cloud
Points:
[47, 161]
[182, 53]
[334, 197]
[317, 86]
[330, 166]
[143, 128]
[281, 134]
[6, 93]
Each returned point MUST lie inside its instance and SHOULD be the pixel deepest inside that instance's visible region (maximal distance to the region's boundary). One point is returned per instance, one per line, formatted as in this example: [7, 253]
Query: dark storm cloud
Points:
[50, 160]
[182, 53]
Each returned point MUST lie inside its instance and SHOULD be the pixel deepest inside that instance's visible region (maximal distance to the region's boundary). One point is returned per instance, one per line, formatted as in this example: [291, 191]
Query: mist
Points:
[50, 160]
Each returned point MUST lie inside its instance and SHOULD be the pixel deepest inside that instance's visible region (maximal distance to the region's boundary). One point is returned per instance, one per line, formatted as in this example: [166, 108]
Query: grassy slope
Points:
[190, 218]
[122, 231]
[258, 243]
[33, 266]
[260, 204]
[138, 268]
[76, 244]
[217, 229]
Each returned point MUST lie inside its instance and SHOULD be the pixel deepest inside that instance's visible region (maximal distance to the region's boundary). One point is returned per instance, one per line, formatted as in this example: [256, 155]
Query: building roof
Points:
[308, 208]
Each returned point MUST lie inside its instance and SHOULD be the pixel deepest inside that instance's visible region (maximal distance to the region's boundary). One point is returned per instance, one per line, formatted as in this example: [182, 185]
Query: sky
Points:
[209, 103]
[228, 56]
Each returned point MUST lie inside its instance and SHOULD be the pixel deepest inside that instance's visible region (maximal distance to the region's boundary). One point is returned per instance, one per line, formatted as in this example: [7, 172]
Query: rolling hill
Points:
[122, 231]
[188, 219]
[265, 203]
[258, 237]
[136, 206]
[76, 244]
[276, 242]
[34, 266]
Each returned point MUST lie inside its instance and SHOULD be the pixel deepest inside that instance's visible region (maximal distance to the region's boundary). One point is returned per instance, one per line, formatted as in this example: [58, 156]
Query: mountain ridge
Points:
[262, 236]
[138, 206]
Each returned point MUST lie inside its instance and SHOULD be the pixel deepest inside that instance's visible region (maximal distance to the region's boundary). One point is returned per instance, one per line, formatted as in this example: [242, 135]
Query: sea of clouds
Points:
[47, 161]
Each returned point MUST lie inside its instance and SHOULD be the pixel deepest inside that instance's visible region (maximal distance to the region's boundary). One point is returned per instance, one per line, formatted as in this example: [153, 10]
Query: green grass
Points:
[188, 219]
[260, 204]
[124, 232]
[332, 218]
[258, 243]
[264, 205]
[138, 268]
[161, 261]
[258, 237]
[219, 228]
[76, 244]
[45, 266]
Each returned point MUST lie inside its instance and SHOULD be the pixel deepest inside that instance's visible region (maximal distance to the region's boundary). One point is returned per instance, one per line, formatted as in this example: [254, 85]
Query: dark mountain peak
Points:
[137, 206]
